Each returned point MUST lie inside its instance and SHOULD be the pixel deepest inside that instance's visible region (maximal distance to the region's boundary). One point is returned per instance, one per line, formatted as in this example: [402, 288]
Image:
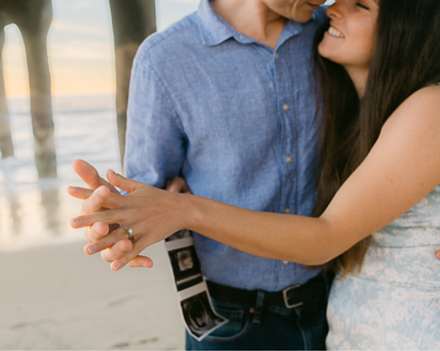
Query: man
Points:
[225, 98]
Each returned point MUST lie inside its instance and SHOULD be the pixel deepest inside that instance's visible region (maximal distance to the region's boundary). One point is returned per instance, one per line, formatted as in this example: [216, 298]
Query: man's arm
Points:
[155, 148]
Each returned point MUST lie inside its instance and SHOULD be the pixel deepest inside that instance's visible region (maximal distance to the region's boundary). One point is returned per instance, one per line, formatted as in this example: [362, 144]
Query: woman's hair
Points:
[406, 58]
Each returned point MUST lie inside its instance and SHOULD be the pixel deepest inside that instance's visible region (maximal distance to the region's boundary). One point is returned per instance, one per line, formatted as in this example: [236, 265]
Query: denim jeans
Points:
[263, 327]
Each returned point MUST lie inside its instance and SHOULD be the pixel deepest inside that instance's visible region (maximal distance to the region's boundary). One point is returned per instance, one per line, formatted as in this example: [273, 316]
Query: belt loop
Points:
[258, 307]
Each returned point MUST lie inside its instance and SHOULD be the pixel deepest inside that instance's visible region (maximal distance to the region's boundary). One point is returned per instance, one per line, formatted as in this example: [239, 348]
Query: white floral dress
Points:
[394, 303]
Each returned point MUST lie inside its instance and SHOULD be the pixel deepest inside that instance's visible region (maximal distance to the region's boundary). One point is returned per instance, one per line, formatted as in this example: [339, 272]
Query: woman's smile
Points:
[335, 32]
[350, 39]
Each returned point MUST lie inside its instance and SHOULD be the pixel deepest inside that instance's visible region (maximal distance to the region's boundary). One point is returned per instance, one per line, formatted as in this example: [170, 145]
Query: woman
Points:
[380, 173]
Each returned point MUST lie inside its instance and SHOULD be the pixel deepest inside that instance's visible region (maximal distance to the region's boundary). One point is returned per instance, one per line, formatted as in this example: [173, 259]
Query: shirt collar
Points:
[215, 30]
[293, 28]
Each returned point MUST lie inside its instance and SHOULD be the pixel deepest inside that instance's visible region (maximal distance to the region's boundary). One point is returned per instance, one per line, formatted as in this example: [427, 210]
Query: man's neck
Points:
[252, 18]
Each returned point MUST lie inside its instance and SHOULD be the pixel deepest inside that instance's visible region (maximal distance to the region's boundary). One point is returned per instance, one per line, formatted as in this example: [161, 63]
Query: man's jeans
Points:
[267, 328]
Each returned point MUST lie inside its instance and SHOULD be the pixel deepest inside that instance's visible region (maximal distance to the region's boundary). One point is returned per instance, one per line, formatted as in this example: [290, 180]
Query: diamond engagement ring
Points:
[128, 230]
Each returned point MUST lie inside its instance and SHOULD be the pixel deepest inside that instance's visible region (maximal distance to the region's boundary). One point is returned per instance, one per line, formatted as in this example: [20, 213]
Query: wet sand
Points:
[57, 297]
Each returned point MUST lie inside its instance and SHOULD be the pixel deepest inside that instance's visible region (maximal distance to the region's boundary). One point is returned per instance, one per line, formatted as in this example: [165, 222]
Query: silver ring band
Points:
[128, 230]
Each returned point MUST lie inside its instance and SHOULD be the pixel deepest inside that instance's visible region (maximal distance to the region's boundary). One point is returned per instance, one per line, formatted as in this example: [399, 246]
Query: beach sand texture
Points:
[56, 297]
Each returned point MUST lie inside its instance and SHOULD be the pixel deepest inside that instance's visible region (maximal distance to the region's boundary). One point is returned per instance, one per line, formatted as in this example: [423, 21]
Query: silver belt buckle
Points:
[286, 303]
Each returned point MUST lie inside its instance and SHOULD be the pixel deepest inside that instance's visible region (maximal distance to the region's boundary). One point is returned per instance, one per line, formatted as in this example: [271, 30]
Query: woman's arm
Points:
[401, 169]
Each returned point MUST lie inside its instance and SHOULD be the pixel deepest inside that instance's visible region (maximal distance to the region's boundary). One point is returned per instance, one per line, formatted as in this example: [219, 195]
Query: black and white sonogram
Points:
[199, 316]
[186, 267]
[184, 233]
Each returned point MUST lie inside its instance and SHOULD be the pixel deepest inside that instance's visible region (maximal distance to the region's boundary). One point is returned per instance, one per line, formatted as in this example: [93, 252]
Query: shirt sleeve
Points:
[155, 142]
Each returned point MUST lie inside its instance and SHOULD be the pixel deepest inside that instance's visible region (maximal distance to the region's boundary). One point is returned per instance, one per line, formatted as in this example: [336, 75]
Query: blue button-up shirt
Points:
[237, 120]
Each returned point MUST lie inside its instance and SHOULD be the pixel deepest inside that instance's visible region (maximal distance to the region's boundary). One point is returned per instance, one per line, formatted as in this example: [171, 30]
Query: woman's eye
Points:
[362, 6]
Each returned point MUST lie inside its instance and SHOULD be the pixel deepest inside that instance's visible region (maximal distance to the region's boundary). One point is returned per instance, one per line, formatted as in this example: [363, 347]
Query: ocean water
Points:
[37, 212]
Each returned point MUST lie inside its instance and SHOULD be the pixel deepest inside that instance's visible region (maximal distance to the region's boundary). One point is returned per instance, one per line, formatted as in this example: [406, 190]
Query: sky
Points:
[80, 47]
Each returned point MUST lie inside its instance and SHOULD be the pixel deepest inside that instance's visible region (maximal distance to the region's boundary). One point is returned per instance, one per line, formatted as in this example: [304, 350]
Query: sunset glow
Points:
[80, 47]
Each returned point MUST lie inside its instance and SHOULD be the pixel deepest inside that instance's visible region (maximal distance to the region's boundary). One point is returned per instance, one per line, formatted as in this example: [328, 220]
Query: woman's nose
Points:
[334, 11]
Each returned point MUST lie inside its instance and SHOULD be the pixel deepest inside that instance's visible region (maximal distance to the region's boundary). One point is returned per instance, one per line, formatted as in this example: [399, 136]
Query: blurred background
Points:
[81, 57]
[52, 295]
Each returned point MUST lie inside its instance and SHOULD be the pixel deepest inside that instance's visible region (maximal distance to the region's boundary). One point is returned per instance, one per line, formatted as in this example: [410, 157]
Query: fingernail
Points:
[91, 248]
[95, 227]
[76, 221]
[101, 191]
[117, 265]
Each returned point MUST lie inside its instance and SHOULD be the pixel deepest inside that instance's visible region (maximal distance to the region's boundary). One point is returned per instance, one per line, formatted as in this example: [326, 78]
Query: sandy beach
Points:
[56, 297]
[52, 295]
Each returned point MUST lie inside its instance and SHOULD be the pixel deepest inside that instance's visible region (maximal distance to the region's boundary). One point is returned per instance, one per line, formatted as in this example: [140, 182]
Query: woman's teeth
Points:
[335, 33]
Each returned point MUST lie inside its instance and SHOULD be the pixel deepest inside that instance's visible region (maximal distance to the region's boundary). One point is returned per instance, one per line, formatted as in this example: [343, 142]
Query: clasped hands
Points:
[153, 214]
[150, 212]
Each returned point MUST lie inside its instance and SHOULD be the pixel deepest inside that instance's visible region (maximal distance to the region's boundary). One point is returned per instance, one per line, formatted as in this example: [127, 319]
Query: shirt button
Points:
[285, 107]
[276, 56]
[289, 159]
[285, 262]
[287, 210]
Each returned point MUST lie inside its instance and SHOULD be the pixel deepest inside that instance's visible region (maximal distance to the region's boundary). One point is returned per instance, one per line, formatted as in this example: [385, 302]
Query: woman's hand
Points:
[151, 213]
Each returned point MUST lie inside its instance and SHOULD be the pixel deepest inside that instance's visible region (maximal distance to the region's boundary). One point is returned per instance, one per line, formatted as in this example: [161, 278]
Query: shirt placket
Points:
[288, 159]
[286, 108]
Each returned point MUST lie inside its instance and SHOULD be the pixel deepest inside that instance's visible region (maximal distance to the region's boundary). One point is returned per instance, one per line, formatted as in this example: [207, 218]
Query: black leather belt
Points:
[290, 297]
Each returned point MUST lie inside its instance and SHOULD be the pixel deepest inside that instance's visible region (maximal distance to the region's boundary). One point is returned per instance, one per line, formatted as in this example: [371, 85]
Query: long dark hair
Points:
[406, 58]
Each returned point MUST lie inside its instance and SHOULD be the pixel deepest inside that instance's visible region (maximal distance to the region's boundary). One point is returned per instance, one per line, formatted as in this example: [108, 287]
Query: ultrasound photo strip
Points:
[199, 317]
[186, 267]
[198, 314]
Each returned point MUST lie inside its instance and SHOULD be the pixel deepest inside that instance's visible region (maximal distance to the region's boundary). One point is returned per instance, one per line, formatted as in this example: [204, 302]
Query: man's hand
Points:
[437, 254]
[178, 185]
[111, 240]
[98, 231]
[91, 177]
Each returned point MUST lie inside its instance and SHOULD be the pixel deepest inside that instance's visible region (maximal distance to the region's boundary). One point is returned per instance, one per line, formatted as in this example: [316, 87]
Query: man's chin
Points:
[303, 17]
